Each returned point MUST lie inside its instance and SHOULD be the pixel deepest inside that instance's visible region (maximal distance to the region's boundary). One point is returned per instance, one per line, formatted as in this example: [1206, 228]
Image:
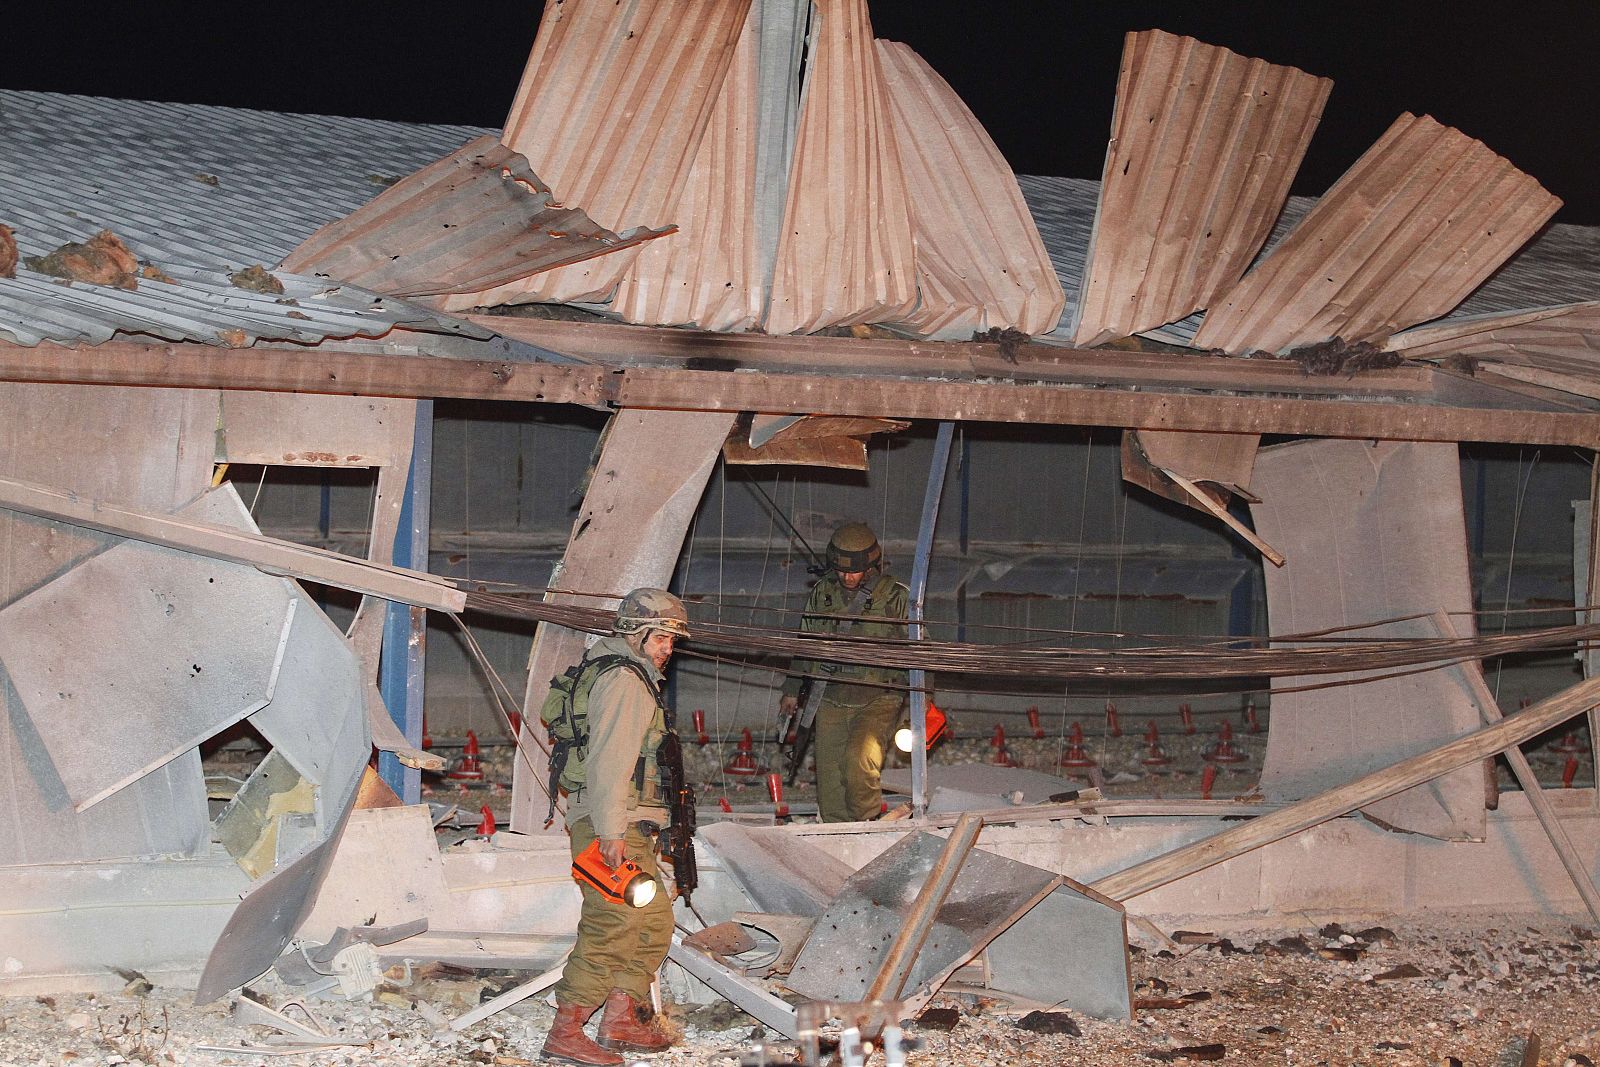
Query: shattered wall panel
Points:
[846, 252]
[1372, 531]
[709, 274]
[610, 113]
[1204, 144]
[139, 654]
[1414, 226]
[473, 220]
[980, 260]
[148, 448]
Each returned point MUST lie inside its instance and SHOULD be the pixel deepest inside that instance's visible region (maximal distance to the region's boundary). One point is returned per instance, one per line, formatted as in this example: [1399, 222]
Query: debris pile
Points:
[103, 260]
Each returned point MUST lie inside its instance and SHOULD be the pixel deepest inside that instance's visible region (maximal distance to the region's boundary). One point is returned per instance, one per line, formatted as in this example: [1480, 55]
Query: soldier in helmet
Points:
[861, 706]
[619, 946]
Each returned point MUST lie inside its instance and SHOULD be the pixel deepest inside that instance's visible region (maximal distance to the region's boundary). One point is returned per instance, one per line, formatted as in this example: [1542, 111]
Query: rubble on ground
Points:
[1477, 990]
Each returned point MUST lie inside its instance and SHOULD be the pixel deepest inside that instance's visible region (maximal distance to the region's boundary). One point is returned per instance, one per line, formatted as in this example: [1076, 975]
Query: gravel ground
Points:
[1415, 995]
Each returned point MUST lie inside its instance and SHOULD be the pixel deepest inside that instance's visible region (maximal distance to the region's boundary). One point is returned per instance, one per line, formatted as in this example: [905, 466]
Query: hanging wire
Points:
[1511, 559]
[504, 701]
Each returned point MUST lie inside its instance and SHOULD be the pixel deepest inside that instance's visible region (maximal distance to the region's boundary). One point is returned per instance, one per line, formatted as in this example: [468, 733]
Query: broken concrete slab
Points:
[387, 869]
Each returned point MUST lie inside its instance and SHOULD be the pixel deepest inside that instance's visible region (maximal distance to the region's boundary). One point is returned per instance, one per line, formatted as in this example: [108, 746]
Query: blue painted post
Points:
[405, 628]
[919, 589]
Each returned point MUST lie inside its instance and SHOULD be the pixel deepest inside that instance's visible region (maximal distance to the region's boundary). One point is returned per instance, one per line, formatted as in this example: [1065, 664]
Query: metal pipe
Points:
[919, 588]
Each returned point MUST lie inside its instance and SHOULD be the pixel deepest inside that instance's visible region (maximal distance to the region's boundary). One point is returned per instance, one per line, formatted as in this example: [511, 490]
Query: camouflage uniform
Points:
[619, 946]
[855, 721]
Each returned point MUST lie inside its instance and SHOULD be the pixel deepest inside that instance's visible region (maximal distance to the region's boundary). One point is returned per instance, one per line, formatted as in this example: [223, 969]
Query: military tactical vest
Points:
[565, 713]
[832, 609]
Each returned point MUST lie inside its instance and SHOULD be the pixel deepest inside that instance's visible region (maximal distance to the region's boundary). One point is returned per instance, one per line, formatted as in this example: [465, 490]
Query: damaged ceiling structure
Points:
[769, 238]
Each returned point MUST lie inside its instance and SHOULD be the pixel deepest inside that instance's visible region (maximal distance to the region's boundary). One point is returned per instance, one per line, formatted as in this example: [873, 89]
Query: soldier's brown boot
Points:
[567, 1041]
[620, 1027]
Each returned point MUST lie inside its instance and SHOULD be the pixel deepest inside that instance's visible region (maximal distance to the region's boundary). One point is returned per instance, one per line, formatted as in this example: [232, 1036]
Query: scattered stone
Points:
[1214, 1051]
[1342, 953]
[945, 1019]
[1050, 1022]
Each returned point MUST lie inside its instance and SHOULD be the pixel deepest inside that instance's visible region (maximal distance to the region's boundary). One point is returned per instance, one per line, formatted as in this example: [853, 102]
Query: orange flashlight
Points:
[937, 726]
[624, 884]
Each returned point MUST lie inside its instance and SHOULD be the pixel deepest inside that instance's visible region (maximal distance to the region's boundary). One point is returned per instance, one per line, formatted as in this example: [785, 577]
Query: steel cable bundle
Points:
[1279, 657]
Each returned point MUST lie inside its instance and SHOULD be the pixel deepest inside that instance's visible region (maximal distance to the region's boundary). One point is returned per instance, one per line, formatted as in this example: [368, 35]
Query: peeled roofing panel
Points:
[202, 304]
[477, 218]
[846, 253]
[980, 261]
[1204, 144]
[611, 110]
[1565, 337]
[1372, 530]
[709, 274]
[1419, 222]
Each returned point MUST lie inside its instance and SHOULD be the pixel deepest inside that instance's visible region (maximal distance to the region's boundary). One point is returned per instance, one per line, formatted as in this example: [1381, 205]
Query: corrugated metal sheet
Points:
[611, 111]
[1418, 223]
[846, 254]
[201, 304]
[980, 262]
[477, 218]
[1204, 144]
[710, 273]
[70, 165]
[1566, 332]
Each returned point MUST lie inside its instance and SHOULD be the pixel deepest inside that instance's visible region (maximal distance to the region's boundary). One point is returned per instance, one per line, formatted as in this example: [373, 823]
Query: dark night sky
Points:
[1039, 74]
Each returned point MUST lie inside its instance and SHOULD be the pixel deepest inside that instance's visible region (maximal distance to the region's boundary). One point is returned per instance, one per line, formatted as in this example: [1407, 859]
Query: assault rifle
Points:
[799, 729]
[677, 840]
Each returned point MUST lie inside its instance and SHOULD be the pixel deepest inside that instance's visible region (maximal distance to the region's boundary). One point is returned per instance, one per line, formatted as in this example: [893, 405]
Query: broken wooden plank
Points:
[515, 995]
[269, 554]
[1154, 392]
[1576, 869]
[1207, 503]
[742, 991]
[1462, 752]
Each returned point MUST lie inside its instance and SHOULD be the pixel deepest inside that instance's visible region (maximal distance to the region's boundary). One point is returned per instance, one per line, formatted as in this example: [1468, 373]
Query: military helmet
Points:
[854, 547]
[651, 609]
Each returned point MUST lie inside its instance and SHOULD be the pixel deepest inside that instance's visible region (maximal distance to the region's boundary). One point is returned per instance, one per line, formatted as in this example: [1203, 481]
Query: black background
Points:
[1040, 75]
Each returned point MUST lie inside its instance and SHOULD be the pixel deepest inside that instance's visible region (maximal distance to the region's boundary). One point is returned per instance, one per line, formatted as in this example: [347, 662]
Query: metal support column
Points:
[919, 588]
[405, 628]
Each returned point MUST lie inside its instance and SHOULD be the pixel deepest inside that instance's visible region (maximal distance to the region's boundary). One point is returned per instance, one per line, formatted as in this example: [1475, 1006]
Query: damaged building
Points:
[1250, 537]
